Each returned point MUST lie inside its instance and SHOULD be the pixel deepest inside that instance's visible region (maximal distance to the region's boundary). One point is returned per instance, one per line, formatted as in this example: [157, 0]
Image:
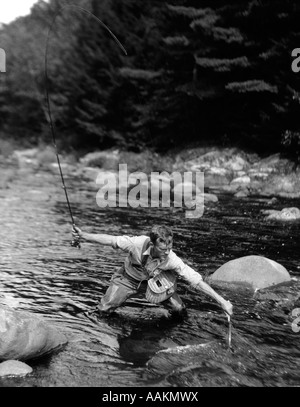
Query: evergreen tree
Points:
[214, 72]
[236, 61]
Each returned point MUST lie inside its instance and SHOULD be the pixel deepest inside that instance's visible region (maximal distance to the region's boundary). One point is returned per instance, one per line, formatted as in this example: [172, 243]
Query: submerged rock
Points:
[272, 201]
[243, 193]
[25, 336]
[286, 214]
[14, 368]
[166, 360]
[253, 272]
[210, 198]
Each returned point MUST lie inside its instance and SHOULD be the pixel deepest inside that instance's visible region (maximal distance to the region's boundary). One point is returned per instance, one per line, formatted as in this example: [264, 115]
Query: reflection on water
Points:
[42, 274]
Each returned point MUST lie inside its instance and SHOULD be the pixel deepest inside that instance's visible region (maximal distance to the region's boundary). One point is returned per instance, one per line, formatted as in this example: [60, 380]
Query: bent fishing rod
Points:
[76, 241]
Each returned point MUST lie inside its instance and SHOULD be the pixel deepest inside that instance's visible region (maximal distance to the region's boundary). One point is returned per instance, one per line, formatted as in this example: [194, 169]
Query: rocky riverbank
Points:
[245, 174]
[226, 170]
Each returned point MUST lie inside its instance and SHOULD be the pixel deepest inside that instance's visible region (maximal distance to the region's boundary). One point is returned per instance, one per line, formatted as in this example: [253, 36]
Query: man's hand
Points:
[101, 238]
[227, 307]
[76, 232]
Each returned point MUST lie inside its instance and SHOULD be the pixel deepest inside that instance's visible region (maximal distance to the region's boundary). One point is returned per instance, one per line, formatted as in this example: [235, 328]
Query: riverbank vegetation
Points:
[214, 74]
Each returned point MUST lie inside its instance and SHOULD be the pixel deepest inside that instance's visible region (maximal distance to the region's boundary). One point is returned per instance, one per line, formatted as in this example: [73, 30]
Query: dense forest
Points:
[196, 72]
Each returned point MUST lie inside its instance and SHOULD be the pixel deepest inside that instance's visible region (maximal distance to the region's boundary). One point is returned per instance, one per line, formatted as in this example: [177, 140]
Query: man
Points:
[152, 260]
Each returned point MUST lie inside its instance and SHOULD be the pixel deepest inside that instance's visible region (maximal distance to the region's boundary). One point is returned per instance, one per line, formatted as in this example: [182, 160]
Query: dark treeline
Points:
[197, 72]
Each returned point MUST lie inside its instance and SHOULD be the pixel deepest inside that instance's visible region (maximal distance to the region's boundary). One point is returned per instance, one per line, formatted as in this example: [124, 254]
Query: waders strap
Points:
[145, 247]
[144, 257]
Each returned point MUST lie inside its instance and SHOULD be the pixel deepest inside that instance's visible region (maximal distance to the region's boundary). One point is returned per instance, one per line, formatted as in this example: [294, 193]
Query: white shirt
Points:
[134, 246]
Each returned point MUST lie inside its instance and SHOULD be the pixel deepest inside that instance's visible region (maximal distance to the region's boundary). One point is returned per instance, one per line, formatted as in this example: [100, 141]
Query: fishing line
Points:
[75, 242]
[229, 331]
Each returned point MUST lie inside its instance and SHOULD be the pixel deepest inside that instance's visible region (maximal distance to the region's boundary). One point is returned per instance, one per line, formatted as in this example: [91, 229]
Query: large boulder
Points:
[25, 336]
[14, 368]
[253, 272]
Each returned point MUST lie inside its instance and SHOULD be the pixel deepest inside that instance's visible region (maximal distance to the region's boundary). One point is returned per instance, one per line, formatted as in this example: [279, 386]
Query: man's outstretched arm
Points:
[226, 305]
[103, 239]
[123, 242]
[196, 281]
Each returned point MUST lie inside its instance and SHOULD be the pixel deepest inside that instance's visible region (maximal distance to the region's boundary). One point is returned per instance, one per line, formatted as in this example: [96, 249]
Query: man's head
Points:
[162, 240]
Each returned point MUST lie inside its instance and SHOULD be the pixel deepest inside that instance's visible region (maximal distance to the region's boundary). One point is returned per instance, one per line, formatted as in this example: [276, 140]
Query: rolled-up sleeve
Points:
[183, 270]
[128, 243]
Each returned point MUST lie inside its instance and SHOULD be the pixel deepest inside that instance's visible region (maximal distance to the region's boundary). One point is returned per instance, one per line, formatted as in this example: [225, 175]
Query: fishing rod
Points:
[76, 241]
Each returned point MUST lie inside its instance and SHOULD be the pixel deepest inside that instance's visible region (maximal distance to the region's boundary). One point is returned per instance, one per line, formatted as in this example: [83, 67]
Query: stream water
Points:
[41, 273]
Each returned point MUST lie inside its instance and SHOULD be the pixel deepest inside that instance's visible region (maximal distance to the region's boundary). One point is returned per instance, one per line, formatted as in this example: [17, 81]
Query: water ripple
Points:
[42, 274]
